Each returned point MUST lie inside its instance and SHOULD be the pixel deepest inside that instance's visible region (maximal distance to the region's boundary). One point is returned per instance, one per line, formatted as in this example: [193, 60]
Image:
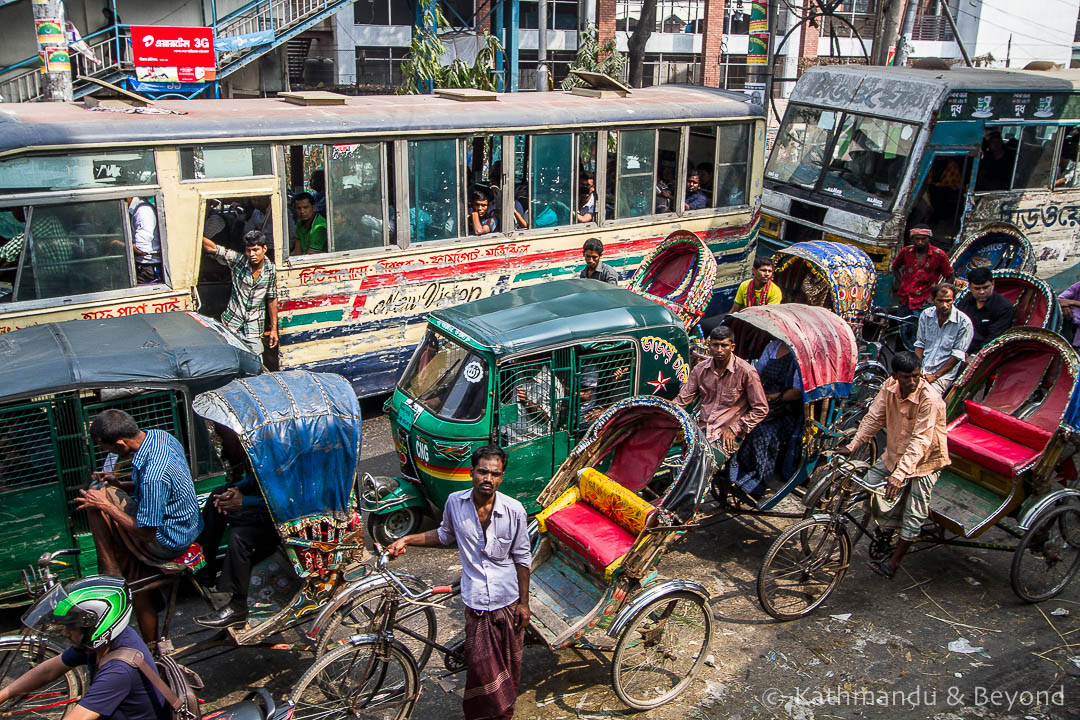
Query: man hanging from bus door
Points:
[254, 290]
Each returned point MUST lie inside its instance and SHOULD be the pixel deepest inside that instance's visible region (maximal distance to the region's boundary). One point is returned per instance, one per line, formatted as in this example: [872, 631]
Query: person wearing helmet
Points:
[93, 615]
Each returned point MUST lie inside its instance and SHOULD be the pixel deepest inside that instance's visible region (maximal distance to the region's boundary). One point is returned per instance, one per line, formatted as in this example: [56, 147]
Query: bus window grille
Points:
[535, 414]
[28, 456]
[613, 373]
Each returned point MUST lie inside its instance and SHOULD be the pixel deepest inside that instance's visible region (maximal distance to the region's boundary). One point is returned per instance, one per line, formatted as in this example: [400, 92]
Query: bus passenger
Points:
[254, 290]
[996, 162]
[482, 219]
[310, 227]
[759, 289]
[918, 267]
[695, 198]
[593, 250]
[52, 252]
[146, 241]
[587, 197]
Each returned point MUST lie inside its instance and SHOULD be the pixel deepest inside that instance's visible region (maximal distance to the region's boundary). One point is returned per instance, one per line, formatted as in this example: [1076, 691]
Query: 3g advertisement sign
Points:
[173, 54]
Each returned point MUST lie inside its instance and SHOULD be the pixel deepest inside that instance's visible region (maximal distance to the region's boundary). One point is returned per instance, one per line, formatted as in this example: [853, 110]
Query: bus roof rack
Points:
[599, 85]
[312, 97]
[467, 94]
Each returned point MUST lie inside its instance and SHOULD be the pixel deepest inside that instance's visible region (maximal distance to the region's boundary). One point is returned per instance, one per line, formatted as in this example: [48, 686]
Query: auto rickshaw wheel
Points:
[803, 566]
[394, 525]
[19, 654]
[1048, 555]
[661, 649]
[371, 679]
[354, 618]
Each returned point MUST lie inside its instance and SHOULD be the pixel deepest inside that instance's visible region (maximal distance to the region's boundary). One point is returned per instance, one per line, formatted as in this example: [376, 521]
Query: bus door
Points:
[940, 199]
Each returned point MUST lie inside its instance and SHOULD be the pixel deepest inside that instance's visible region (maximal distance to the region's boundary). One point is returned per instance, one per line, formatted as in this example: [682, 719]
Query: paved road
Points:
[878, 649]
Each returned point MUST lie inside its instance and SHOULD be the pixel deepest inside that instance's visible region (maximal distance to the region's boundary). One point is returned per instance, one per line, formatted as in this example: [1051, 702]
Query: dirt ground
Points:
[877, 649]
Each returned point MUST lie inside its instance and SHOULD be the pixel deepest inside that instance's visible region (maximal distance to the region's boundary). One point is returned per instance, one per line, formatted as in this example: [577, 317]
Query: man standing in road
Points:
[157, 522]
[990, 313]
[917, 267]
[254, 290]
[493, 543]
[913, 415]
[943, 338]
[732, 399]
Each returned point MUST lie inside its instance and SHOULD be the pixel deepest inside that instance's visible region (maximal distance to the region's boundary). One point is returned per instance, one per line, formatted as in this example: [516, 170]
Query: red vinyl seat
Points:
[591, 534]
[994, 440]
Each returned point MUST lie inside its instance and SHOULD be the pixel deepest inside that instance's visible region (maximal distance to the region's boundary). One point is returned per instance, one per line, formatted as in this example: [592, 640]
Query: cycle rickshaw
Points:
[1013, 414]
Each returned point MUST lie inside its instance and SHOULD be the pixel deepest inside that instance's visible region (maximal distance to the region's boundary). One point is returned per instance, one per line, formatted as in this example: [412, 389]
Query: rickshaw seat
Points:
[994, 440]
[191, 560]
[598, 519]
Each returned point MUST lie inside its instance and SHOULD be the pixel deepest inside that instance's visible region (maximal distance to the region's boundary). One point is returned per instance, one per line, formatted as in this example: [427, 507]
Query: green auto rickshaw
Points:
[529, 369]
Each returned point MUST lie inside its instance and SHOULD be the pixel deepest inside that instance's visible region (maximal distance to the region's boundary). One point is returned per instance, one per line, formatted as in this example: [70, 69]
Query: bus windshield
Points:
[868, 159]
[447, 379]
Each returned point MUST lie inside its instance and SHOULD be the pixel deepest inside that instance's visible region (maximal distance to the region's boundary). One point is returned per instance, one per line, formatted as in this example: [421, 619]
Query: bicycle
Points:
[373, 674]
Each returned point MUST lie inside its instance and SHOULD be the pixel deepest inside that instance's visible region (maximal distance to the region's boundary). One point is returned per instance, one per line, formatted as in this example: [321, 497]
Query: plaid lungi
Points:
[493, 649]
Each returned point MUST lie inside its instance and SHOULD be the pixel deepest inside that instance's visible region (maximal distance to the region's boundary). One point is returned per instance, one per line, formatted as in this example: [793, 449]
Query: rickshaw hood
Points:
[302, 432]
[824, 345]
[848, 270]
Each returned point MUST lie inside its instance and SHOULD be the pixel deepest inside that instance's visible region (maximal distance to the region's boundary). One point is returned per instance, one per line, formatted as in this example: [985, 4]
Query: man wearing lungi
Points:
[158, 521]
[493, 542]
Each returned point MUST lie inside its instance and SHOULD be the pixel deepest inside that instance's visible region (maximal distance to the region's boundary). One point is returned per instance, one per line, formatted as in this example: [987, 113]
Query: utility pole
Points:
[541, 46]
[956, 34]
[903, 44]
[885, 36]
[52, 46]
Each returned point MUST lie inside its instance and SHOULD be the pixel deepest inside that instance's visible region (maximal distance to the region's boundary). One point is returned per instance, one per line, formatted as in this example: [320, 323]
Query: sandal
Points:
[883, 568]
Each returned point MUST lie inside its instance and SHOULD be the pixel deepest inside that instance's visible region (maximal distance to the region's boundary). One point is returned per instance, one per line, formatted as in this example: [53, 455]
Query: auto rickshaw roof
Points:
[152, 349]
[302, 433]
[552, 313]
[823, 344]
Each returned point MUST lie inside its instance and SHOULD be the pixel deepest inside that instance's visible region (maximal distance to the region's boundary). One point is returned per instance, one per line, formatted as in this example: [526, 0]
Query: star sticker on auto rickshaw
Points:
[660, 383]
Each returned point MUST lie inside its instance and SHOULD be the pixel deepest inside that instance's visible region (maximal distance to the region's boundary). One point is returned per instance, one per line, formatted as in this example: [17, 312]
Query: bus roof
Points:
[30, 126]
[916, 95]
[554, 313]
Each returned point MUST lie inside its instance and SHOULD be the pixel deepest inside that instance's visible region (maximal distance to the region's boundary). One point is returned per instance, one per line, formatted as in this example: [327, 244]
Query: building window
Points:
[562, 15]
[672, 16]
[377, 66]
[732, 71]
[862, 14]
[558, 62]
[930, 22]
[737, 18]
[382, 12]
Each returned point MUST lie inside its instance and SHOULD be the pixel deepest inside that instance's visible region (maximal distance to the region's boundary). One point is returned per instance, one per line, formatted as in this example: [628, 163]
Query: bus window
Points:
[587, 209]
[868, 160]
[798, 155]
[551, 180]
[77, 172]
[209, 162]
[701, 156]
[732, 155]
[63, 250]
[433, 190]
[997, 159]
[634, 179]
[1067, 175]
[667, 170]
[361, 209]
[1035, 159]
[482, 178]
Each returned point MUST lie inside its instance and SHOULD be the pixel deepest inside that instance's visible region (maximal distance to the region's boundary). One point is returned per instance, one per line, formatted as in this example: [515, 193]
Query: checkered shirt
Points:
[246, 312]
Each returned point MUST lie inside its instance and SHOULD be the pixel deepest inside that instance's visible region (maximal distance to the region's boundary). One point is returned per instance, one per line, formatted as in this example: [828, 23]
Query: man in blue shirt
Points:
[93, 614]
[493, 543]
[943, 338]
[157, 522]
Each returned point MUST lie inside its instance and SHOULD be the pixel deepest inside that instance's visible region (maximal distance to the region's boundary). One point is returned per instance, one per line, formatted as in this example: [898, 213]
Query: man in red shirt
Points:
[918, 267]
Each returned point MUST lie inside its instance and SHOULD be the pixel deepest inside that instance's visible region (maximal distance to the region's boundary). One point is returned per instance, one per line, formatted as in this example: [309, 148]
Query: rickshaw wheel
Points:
[803, 566]
[373, 679]
[355, 616]
[19, 654]
[1048, 555]
[661, 649]
[385, 529]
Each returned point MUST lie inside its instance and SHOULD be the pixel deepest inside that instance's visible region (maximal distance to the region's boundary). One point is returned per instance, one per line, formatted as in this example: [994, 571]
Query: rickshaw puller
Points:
[493, 543]
[913, 415]
[732, 399]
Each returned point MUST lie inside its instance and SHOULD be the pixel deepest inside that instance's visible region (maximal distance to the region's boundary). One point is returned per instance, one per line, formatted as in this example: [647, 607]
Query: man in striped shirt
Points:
[254, 290]
[156, 523]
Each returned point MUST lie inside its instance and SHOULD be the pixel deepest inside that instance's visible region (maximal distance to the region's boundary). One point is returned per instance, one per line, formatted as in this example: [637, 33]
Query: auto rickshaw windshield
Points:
[447, 379]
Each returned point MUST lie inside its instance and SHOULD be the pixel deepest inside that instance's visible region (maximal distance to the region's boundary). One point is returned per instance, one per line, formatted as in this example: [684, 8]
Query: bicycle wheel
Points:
[17, 655]
[661, 649]
[803, 566]
[370, 680]
[1048, 555]
[355, 617]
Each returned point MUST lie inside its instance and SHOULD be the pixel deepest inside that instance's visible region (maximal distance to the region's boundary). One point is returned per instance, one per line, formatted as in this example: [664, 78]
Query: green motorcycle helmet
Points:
[99, 606]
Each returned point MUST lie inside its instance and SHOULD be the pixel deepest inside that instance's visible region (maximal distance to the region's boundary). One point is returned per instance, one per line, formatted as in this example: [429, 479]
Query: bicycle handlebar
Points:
[381, 566]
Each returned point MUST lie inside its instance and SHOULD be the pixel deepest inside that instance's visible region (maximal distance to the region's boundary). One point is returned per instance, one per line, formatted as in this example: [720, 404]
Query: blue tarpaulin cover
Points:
[302, 432]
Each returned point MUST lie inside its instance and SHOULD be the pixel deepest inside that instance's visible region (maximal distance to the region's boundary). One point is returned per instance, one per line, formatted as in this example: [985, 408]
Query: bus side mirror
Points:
[508, 414]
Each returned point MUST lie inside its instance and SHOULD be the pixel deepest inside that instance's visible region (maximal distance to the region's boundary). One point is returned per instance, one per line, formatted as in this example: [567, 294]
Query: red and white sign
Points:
[175, 53]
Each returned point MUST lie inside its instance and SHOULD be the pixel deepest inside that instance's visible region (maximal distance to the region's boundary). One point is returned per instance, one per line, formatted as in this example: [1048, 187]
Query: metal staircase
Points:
[266, 24]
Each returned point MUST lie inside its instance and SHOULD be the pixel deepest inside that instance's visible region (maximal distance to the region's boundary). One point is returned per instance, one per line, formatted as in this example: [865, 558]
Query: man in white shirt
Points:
[146, 240]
